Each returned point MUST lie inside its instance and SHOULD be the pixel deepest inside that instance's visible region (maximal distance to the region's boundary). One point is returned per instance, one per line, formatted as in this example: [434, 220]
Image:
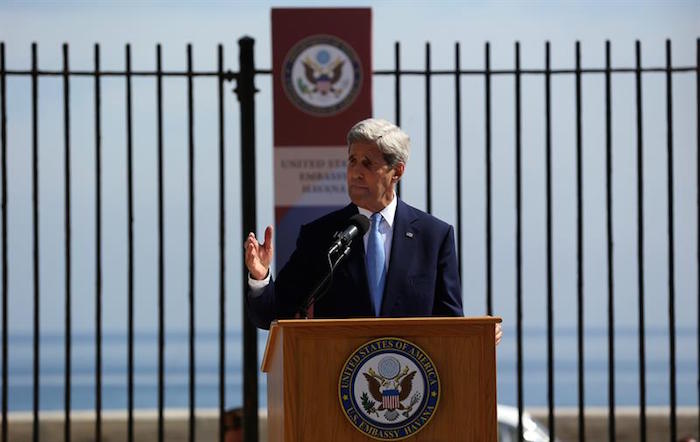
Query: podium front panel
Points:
[311, 355]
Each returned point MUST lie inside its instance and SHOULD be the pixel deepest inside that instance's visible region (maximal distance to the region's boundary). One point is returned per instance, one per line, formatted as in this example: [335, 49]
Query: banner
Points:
[322, 80]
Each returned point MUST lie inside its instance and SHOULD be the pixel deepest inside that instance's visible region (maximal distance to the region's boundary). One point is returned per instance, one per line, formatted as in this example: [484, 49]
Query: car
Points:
[533, 431]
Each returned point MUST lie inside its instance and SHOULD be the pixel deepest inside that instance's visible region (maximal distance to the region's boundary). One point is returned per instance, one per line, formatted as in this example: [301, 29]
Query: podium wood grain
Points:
[304, 358]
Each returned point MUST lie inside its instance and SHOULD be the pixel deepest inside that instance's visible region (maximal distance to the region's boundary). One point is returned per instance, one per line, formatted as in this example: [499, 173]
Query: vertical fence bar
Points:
[35, 224]
[3, 170]
[161, 256]
[579, 248]
[609, 231]
[487, 156]
[245, 88]
[66, 129]
[190, 133]
[397, 95]
[458, 153]
[640, 247]
[518, 243]
[98, 249]
[550, 285]
[130, 252]
[428, 133]
[671, 245]
[697, 175]
[222, 251]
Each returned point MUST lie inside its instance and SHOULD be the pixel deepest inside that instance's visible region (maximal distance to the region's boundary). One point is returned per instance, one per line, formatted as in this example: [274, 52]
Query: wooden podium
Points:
[304, 360]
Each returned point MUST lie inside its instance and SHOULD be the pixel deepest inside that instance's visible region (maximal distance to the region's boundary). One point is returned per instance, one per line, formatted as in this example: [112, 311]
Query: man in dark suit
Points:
[404, 266]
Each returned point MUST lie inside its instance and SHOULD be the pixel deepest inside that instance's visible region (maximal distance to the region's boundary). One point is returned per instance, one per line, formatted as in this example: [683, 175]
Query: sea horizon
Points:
[176, 369]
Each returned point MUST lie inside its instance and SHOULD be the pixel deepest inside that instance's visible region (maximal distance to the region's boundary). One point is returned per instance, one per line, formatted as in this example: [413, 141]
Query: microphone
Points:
[358, 226]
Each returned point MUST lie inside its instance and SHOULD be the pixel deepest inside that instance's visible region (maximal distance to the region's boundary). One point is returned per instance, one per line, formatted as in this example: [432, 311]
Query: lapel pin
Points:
[409, 234]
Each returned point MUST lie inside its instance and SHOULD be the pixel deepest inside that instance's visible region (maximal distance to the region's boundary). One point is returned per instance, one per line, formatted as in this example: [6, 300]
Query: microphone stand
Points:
[322, 288]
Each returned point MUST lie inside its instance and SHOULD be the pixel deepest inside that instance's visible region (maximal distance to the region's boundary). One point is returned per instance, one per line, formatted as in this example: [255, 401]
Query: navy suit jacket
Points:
[422, 277]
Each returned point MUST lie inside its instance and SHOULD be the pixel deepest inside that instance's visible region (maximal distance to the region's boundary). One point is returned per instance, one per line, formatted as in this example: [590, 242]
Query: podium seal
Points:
[389, 388]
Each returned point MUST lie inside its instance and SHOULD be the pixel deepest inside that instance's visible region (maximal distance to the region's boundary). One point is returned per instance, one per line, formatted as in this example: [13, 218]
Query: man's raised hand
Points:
[258, 256]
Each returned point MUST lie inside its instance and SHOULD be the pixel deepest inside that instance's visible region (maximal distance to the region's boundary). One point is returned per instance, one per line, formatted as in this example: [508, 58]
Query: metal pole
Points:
[518, 244]
[550, 282]
[611, 260]
[579, 249]
[67, 218]
[130, 253]
[671, 246]
[487, 167]
[3, 177]
[35, 226]
[428, 134]
[245, 89]
[458, 154]
[397, 95]
[222, 252]
[161, 249]
[640, 248]
[190, 180]
[98, 248]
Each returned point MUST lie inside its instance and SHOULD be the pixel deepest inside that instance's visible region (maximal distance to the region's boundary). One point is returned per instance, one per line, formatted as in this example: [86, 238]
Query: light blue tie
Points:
[376, 271]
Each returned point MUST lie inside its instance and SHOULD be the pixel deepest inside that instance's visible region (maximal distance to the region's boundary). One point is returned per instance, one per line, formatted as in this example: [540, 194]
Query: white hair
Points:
[392, 142]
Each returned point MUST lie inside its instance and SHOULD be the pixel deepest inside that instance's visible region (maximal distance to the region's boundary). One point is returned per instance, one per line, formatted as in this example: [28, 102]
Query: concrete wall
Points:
[626, 423]
[114, 426]
[146, 425]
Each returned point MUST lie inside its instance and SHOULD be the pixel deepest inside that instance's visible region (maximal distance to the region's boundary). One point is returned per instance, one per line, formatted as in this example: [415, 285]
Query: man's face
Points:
[370, 179]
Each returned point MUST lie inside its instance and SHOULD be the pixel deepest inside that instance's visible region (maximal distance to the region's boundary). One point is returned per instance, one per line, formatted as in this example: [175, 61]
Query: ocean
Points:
[114, 373]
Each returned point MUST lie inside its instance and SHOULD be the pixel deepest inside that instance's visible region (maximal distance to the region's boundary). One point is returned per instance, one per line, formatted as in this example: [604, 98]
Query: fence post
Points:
[245, 89]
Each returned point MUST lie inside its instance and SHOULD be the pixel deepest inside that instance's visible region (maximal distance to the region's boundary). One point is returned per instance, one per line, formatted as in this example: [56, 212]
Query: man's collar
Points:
[387, 212]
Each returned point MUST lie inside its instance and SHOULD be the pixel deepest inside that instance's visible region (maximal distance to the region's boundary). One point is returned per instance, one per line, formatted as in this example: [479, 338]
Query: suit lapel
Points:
[355, 265]
[402, 248]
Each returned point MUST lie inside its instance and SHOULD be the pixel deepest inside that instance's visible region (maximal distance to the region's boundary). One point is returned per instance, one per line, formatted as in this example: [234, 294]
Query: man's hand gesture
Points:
[258, 256]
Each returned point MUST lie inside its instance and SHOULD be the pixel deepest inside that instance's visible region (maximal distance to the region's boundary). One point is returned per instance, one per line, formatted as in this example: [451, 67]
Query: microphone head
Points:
[361, 222]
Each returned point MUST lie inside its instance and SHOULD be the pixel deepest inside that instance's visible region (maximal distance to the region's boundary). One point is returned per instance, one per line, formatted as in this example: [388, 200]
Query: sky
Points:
[207, 24]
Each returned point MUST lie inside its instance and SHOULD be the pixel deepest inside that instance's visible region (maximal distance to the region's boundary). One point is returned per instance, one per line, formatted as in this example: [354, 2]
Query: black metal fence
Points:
[98, 75]
[245, 90]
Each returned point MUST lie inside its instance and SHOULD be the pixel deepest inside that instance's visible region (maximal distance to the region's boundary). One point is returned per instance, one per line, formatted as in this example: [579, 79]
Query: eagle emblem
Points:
[389, 389]
[323, 79]
[322, 75]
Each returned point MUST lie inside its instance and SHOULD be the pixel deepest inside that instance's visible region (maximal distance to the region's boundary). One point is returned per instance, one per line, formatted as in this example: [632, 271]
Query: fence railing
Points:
[98, 75]
[245, 90]
[517, 73]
